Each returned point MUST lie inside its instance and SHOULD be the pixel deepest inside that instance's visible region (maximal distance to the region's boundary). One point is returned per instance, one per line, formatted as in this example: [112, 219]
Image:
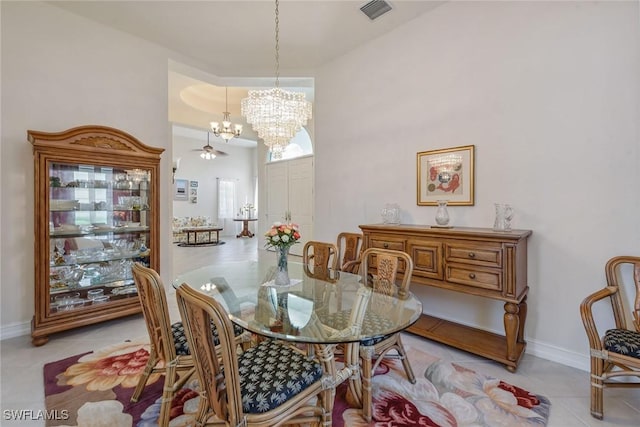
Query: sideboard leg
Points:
[522, 314]
[511, 328]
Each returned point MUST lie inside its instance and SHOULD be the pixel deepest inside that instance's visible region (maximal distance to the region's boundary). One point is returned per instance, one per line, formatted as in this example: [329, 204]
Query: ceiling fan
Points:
[208, 152]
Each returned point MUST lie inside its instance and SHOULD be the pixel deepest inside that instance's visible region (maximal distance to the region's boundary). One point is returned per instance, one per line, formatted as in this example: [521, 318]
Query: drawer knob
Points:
[472, 275]
[472, 255]
[386, 246]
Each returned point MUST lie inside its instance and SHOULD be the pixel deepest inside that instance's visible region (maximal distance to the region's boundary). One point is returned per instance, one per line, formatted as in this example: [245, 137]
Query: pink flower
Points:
[117, 365]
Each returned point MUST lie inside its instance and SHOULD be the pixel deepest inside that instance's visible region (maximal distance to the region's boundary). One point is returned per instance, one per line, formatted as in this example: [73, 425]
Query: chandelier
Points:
[226, 132]
[276, 115]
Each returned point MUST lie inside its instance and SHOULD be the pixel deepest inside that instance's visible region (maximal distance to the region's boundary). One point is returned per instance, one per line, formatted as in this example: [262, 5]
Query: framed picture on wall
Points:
[180, 189]
[446, 174]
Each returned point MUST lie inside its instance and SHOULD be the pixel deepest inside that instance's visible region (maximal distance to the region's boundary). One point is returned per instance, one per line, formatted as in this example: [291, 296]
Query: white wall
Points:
[60, 71]
[549, 94]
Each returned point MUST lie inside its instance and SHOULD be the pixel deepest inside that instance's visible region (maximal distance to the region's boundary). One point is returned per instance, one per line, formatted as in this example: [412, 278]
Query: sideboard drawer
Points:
[466, 253]
[485, 278]
[383, 242]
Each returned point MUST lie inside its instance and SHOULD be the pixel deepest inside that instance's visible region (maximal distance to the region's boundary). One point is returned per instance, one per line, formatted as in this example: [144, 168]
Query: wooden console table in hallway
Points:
[245, 227]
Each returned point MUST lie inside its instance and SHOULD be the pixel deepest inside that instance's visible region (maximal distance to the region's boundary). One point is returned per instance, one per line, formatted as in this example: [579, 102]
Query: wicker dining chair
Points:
[319, 259]
[270, 384]
[379, 270]
[169, 352]
[349, 251]
[616, 354]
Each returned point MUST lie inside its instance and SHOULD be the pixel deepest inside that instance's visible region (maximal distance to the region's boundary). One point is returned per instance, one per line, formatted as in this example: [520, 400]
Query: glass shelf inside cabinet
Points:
[113, 277]
[75, 251]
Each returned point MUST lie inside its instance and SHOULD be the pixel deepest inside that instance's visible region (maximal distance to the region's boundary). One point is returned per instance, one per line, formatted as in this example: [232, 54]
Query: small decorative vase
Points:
[282, 270]
[442, 215]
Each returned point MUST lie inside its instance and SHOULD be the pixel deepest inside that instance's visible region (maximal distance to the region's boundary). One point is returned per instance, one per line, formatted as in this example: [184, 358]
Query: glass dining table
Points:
[319, 311]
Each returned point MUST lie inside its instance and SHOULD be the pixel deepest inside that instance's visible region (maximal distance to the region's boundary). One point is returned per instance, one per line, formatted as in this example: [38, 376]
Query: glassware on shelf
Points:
[442, 214]
[95, 293]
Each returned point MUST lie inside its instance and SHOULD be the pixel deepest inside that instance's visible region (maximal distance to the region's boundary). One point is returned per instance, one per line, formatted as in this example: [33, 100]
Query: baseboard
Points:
[15, 330]
[558, 355]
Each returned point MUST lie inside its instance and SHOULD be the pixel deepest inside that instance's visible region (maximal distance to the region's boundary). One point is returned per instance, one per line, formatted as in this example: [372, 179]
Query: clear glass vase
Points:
[442, 215]
[282, 269]
[504, 215]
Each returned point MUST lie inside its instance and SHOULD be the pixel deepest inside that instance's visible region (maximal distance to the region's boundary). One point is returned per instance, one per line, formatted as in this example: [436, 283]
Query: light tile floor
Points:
[21, 364]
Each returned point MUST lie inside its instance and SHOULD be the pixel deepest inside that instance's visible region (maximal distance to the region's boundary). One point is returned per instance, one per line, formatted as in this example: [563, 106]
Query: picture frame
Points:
[180, 189]
[446, 174]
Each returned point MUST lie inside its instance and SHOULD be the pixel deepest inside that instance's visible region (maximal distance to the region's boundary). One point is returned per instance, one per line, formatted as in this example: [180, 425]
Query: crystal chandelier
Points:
[226, 132]
[276, 115]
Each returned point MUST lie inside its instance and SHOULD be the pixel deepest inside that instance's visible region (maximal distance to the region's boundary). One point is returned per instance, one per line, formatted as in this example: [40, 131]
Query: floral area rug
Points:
[95, 389]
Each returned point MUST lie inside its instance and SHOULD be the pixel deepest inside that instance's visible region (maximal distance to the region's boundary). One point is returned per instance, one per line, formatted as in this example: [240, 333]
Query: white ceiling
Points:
[237, 39]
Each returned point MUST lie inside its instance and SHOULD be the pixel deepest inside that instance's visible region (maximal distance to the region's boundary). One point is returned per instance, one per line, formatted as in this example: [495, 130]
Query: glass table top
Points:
[315, 308]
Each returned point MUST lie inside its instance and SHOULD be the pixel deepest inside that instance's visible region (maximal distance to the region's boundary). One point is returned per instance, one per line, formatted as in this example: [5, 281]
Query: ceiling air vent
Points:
[375, 8]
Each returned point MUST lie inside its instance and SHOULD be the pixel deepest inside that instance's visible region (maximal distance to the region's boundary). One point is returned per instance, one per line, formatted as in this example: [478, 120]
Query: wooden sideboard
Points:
[475, 261]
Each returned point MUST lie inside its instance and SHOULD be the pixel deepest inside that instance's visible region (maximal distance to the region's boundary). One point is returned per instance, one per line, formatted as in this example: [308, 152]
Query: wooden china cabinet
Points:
[96, 213]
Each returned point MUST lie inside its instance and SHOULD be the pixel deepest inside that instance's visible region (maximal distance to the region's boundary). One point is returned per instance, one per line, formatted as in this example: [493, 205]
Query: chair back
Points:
[380, 268]
[218, 373]
[319, 258]
[153, 300]
[349, 251]
[614, 279]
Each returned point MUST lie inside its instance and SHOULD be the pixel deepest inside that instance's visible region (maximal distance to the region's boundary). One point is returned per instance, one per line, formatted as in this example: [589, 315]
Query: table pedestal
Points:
[245, 227]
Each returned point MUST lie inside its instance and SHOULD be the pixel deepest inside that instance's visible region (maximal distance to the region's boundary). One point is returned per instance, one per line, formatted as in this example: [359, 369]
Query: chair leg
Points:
[597, 385]
[366, 374]
[327, 405]
[203, 409]
[405, 361]
[167, 394]
[142, 382]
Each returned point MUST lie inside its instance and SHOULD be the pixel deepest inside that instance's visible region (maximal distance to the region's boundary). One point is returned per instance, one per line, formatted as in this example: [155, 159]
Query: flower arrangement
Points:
[282, 235]
[247, 208]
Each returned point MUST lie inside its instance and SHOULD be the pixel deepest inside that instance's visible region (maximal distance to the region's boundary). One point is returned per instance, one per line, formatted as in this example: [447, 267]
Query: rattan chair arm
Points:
[595, 341]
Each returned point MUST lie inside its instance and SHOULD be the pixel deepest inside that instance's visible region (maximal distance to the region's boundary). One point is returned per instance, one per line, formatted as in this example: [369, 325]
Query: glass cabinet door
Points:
[98, 227]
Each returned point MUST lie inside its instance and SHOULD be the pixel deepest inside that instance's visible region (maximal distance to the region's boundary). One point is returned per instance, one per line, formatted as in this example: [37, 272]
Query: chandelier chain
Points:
[277, 44]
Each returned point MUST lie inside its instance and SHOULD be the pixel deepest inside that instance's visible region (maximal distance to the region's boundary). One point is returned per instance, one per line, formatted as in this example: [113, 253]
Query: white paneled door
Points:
[290, 188]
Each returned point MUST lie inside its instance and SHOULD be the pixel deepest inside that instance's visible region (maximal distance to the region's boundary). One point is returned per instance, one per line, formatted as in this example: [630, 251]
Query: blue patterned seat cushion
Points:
[271, 373]
[180, 339]
[623, 341]
[371, 324]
